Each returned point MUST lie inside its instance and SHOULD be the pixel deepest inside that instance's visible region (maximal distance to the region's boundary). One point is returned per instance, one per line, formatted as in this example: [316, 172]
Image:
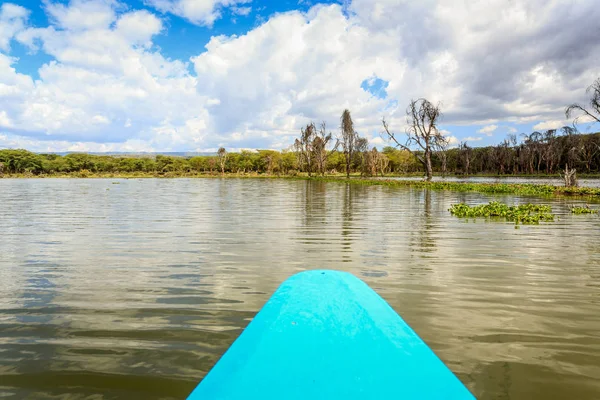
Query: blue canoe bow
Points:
[328, 335]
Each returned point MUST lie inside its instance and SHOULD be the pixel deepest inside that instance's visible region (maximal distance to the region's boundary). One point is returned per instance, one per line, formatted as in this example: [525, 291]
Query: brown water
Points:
[133, 290]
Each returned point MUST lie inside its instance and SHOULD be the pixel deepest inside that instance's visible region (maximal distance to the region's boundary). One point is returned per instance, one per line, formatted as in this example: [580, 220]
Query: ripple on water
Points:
[137, 291]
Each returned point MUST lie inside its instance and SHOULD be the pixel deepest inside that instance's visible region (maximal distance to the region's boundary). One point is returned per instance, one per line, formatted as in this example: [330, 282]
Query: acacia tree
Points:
[577, 110]
[222, 155]
[422, 117]
[348, 139]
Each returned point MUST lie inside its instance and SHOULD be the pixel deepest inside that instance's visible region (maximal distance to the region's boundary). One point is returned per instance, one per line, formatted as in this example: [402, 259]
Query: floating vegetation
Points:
[521, 189]
[583, 210]
[521, 214]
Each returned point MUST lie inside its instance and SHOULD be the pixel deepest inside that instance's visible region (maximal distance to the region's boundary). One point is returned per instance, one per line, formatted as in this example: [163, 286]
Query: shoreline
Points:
[530, 189]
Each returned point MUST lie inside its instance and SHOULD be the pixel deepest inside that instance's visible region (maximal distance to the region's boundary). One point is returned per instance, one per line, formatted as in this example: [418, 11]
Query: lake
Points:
[133, 289]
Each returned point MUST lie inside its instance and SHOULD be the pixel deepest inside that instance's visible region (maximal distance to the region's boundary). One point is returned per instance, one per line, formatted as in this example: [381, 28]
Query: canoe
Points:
[328, 335]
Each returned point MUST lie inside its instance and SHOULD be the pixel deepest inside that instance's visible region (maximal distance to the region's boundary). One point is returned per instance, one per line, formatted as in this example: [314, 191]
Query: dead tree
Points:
[304, 147]
[422, 117]
[593, 112]
[441, 150]
[570, 177]
[372, 162]
[348, 139]
[383, 163]
[466, 154]
[362, 149]
[222, 155]
[320, 143]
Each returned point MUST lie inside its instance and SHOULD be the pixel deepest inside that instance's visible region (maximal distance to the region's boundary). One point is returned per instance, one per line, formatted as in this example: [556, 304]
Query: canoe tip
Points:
[322, 273]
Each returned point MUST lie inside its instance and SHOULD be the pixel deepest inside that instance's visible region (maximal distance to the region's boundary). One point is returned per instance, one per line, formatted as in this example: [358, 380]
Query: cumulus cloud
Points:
[139, 27]
[81, 14]
[12, 21]
[107, 84]
[200, 12]
[559, 123]
[488, 130]
[472, 139]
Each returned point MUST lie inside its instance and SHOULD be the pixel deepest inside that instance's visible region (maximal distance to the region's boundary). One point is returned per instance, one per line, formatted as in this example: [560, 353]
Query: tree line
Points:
[537, 153]
[319, 151]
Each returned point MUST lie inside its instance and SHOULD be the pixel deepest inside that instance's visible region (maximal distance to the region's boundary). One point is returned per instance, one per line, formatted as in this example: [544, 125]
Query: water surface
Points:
[133, 289]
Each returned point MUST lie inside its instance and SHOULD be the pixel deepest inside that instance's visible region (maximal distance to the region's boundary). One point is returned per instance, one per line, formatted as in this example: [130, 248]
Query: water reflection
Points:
[135, 289]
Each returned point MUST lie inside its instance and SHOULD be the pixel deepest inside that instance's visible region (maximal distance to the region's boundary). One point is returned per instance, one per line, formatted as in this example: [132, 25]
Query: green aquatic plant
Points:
[521, 189]
[520, 214]
[583, 210]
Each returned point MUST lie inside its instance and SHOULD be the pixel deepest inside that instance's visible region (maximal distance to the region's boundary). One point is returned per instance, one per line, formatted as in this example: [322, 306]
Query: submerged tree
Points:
[422, 117]
[579, 110]
[348, 139]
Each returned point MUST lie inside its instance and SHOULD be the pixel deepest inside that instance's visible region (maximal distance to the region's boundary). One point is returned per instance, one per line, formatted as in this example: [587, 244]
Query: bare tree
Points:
[361, 146]
[466, 153]
[383, 163]
[550, 150]
[587, 150]
[348, 139]
[222, 155]
[320, 143]
[422, 117]
[593, 112]
[441, 150]
[304, 147]
[570, 177]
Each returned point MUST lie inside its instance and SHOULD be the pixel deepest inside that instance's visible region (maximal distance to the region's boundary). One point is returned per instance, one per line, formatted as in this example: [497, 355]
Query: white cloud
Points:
[452, 140]
[488, 130]
[241, 10]
[81, 15]
[139, 27]
[12, 21]
[107, 85]
[5, 120]
[472, 139]
[557, 124]
[545, 125]
[200, 12]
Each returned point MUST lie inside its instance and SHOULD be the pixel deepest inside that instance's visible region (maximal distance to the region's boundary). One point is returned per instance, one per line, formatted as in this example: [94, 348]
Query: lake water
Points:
[114, 289]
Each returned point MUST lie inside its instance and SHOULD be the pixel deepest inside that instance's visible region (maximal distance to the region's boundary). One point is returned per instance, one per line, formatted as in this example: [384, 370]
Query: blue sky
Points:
[194, 75]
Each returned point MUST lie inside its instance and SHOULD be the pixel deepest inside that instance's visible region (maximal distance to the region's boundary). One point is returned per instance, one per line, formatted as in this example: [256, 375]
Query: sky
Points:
[196, 75]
